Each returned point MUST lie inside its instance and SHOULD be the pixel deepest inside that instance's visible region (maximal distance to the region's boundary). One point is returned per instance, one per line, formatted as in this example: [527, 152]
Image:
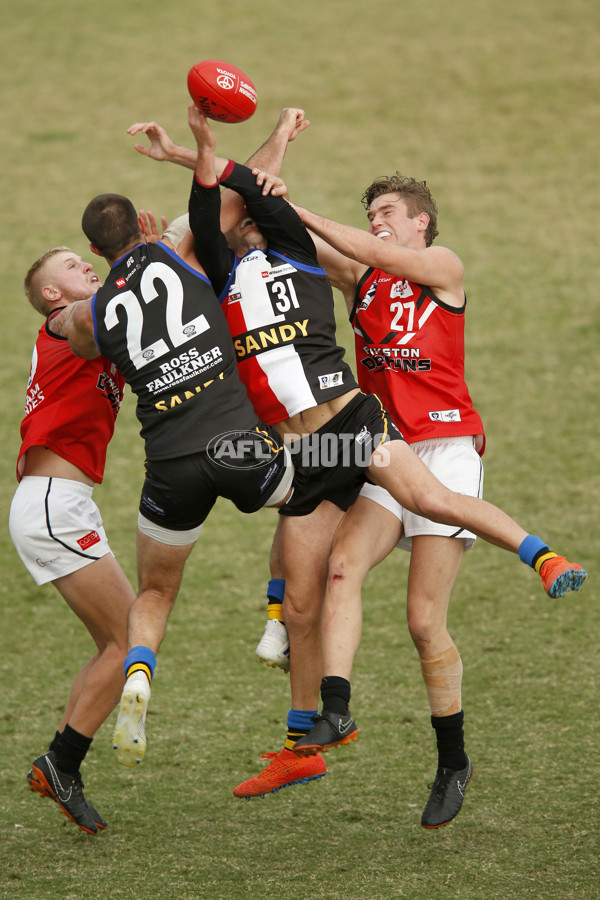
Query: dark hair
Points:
[415, 194]
[110, 223]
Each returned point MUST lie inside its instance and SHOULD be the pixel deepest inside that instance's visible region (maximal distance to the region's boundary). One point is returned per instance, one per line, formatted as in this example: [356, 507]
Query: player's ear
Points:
[95, 250]
[51, 293]
[423, 221]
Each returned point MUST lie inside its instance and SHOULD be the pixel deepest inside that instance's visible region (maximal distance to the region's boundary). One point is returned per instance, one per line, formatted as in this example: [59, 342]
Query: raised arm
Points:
[437, 267]
[210, 245]
[209, 167]
[162, 147]
[269, 155]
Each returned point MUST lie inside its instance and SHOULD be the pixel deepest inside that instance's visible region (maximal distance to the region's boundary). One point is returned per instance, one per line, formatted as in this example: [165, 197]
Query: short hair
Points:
[34, 283]
[415, 194]
[110, 223]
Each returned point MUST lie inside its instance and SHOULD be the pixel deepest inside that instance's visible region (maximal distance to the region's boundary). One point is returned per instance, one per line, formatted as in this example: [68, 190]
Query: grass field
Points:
[497, 106]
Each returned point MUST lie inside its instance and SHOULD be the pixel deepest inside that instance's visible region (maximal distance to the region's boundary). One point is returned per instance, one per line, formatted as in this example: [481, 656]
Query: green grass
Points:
[496, 105]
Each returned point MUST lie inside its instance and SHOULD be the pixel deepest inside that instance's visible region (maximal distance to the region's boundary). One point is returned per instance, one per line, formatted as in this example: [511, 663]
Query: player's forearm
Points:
[352, 242]
[269, 156]
[183, 156]
[344, 238]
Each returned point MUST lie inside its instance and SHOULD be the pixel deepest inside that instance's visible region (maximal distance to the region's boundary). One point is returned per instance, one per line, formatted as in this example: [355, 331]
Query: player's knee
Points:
[343, 567]
[301, 609]
[424, 627]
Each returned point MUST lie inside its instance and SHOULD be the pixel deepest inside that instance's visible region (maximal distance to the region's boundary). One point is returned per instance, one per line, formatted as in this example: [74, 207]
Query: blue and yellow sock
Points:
[299, 723]
[140, 659]
[275, 594]
[534, 552]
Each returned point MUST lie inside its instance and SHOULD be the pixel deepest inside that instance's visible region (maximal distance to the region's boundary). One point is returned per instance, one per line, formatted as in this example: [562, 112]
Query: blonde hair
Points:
[34, 282]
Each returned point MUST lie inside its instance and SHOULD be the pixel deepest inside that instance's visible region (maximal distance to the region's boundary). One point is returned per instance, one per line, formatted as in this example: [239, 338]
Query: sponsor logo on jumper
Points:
[252, 257]
[278, 271]
[269, 273]
[445, 415]
[34, 397]
[260, 339]
[88, 540]
[177, 399]
[108, 386]
[244, 449]
[183, 367]
[133, 268]
[329, 381]
[405, 359]
[401, 289]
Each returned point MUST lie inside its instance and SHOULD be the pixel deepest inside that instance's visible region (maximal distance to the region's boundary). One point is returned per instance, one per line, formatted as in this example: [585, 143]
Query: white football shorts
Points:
[456, 463]
[56, 527]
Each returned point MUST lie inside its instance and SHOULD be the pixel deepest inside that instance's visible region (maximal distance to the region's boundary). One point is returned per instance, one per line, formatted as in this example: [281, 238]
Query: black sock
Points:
[70, 748]
[450, 741]
[55, 742]
[335, 694]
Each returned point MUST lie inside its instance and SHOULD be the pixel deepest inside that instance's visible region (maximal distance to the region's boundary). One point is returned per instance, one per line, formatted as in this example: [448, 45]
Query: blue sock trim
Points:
[276, 589]
[140, 654]
[530, 548]
[301, 718]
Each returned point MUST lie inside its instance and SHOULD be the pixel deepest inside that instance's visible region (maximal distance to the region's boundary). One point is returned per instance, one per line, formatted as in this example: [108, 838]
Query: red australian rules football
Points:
[221, 91]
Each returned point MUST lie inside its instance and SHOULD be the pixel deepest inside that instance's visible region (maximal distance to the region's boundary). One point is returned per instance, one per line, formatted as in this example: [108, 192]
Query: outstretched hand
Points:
[161, 146]
[148, 227]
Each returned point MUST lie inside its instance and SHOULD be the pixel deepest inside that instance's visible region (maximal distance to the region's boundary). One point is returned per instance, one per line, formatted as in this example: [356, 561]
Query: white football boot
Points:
[129, 736]
[274, 647]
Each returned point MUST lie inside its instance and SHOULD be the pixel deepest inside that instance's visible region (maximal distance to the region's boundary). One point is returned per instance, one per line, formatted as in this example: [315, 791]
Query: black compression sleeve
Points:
[211, 248]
